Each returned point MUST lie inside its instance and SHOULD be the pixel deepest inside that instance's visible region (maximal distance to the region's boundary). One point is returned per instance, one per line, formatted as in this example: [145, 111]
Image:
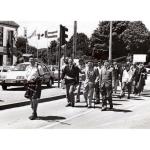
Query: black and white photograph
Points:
[75, 65]
[72, 80]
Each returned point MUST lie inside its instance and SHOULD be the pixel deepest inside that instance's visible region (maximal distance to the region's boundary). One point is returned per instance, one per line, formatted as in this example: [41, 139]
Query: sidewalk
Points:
[14, 97]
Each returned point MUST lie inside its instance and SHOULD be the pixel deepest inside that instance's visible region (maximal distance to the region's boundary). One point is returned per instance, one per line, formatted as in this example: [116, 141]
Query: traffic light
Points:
[46, 34]
[63, 34]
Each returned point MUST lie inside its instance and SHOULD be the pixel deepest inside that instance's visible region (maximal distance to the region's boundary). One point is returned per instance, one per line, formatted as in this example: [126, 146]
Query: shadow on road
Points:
[80, 106]
[138, 99]
[121, 110]
[120, 100]
[48, 118]
[146, 95]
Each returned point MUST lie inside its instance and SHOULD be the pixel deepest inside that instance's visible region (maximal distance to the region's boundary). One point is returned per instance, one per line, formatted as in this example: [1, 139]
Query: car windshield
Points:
[20, 67]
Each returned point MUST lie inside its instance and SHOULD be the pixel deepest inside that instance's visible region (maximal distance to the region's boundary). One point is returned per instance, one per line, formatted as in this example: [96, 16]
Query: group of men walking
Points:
[97, 80]
[101, 80]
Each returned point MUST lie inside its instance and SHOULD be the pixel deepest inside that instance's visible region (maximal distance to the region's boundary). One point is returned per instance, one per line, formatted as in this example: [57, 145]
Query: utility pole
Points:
[110, 42]
[25, 35]
[75, 39]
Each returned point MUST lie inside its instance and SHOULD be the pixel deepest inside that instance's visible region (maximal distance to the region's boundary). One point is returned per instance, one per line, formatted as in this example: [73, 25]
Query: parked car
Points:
[3, 72]
[54, 68]
[16, 76]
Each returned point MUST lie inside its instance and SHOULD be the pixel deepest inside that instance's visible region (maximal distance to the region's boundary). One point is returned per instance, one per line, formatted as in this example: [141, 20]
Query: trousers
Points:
[70, 88]
[106, 95]
[88, 92]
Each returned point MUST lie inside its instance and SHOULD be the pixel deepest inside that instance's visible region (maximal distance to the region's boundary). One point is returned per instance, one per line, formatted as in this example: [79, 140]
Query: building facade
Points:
[8, 37]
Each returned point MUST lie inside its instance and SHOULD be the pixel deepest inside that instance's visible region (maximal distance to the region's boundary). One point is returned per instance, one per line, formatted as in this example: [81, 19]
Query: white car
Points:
[16, 76]
[3, 72]
[54, 68]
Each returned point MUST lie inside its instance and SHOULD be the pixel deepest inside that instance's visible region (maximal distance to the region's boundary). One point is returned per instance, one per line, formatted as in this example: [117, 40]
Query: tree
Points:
[21, 44]
[32, 50]
[136, 38]
[82, 45]
[100, 39]
[127, 37]
[42, 55]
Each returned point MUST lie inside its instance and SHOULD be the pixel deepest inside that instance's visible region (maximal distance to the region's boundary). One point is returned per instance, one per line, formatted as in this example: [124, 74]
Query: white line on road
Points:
[75, 116]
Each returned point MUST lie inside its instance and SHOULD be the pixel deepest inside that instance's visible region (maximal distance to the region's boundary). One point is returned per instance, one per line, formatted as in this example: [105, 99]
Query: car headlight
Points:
[2, 76]
[20, 77]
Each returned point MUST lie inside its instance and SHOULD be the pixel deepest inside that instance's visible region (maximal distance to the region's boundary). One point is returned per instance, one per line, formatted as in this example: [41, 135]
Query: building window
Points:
[1, 36]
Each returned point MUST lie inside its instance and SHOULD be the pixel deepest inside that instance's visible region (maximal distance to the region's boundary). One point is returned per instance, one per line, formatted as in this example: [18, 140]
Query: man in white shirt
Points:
[33, 74]
[127, 79]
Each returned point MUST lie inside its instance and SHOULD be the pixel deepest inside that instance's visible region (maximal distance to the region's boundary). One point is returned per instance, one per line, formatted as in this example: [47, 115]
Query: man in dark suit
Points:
[106, 85]
[71, 75]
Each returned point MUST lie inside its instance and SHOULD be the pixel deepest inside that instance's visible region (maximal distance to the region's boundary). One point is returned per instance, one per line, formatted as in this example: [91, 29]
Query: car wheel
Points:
[4, 87]
[49, 84]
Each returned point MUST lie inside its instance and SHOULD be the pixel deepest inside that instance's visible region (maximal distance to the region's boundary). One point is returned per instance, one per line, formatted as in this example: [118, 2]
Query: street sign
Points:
[52, 36]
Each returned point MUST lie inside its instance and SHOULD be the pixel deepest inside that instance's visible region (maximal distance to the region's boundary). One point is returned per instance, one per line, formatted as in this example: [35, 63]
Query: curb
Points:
[25, 103]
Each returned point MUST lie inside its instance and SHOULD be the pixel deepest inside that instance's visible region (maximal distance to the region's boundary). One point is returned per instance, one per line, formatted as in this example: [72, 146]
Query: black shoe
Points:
[111, 108]
[97, 102]
[33, 117]
[89, 106]
[104, 108]
[69, 104]
[77, 101]
[128, 97]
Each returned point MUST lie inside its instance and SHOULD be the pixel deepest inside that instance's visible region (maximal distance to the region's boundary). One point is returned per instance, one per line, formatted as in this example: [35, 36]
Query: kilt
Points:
[34, 90]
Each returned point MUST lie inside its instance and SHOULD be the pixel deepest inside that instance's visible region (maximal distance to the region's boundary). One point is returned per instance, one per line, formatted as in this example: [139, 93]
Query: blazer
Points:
[106, 77]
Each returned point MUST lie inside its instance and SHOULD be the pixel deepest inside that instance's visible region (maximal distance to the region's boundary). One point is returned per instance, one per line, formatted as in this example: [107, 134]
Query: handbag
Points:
[27, 93]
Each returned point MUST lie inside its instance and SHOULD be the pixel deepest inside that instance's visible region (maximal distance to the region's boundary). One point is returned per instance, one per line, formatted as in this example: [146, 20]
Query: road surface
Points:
[127, 113]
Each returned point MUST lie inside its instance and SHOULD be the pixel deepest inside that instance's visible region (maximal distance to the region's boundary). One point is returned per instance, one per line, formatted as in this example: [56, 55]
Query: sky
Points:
[86, 27]
[49, 14]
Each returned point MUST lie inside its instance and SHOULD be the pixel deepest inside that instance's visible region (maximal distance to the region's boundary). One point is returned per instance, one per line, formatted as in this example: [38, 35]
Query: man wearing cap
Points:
[70, 73]
[106, 85]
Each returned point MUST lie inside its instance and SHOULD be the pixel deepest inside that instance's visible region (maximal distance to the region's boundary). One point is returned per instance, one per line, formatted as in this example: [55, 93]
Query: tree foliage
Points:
[82, 45]
[127, 37]
[21, 45]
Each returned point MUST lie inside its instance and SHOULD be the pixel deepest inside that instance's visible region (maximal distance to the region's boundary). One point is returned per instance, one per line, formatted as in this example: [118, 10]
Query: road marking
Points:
[63, 121]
